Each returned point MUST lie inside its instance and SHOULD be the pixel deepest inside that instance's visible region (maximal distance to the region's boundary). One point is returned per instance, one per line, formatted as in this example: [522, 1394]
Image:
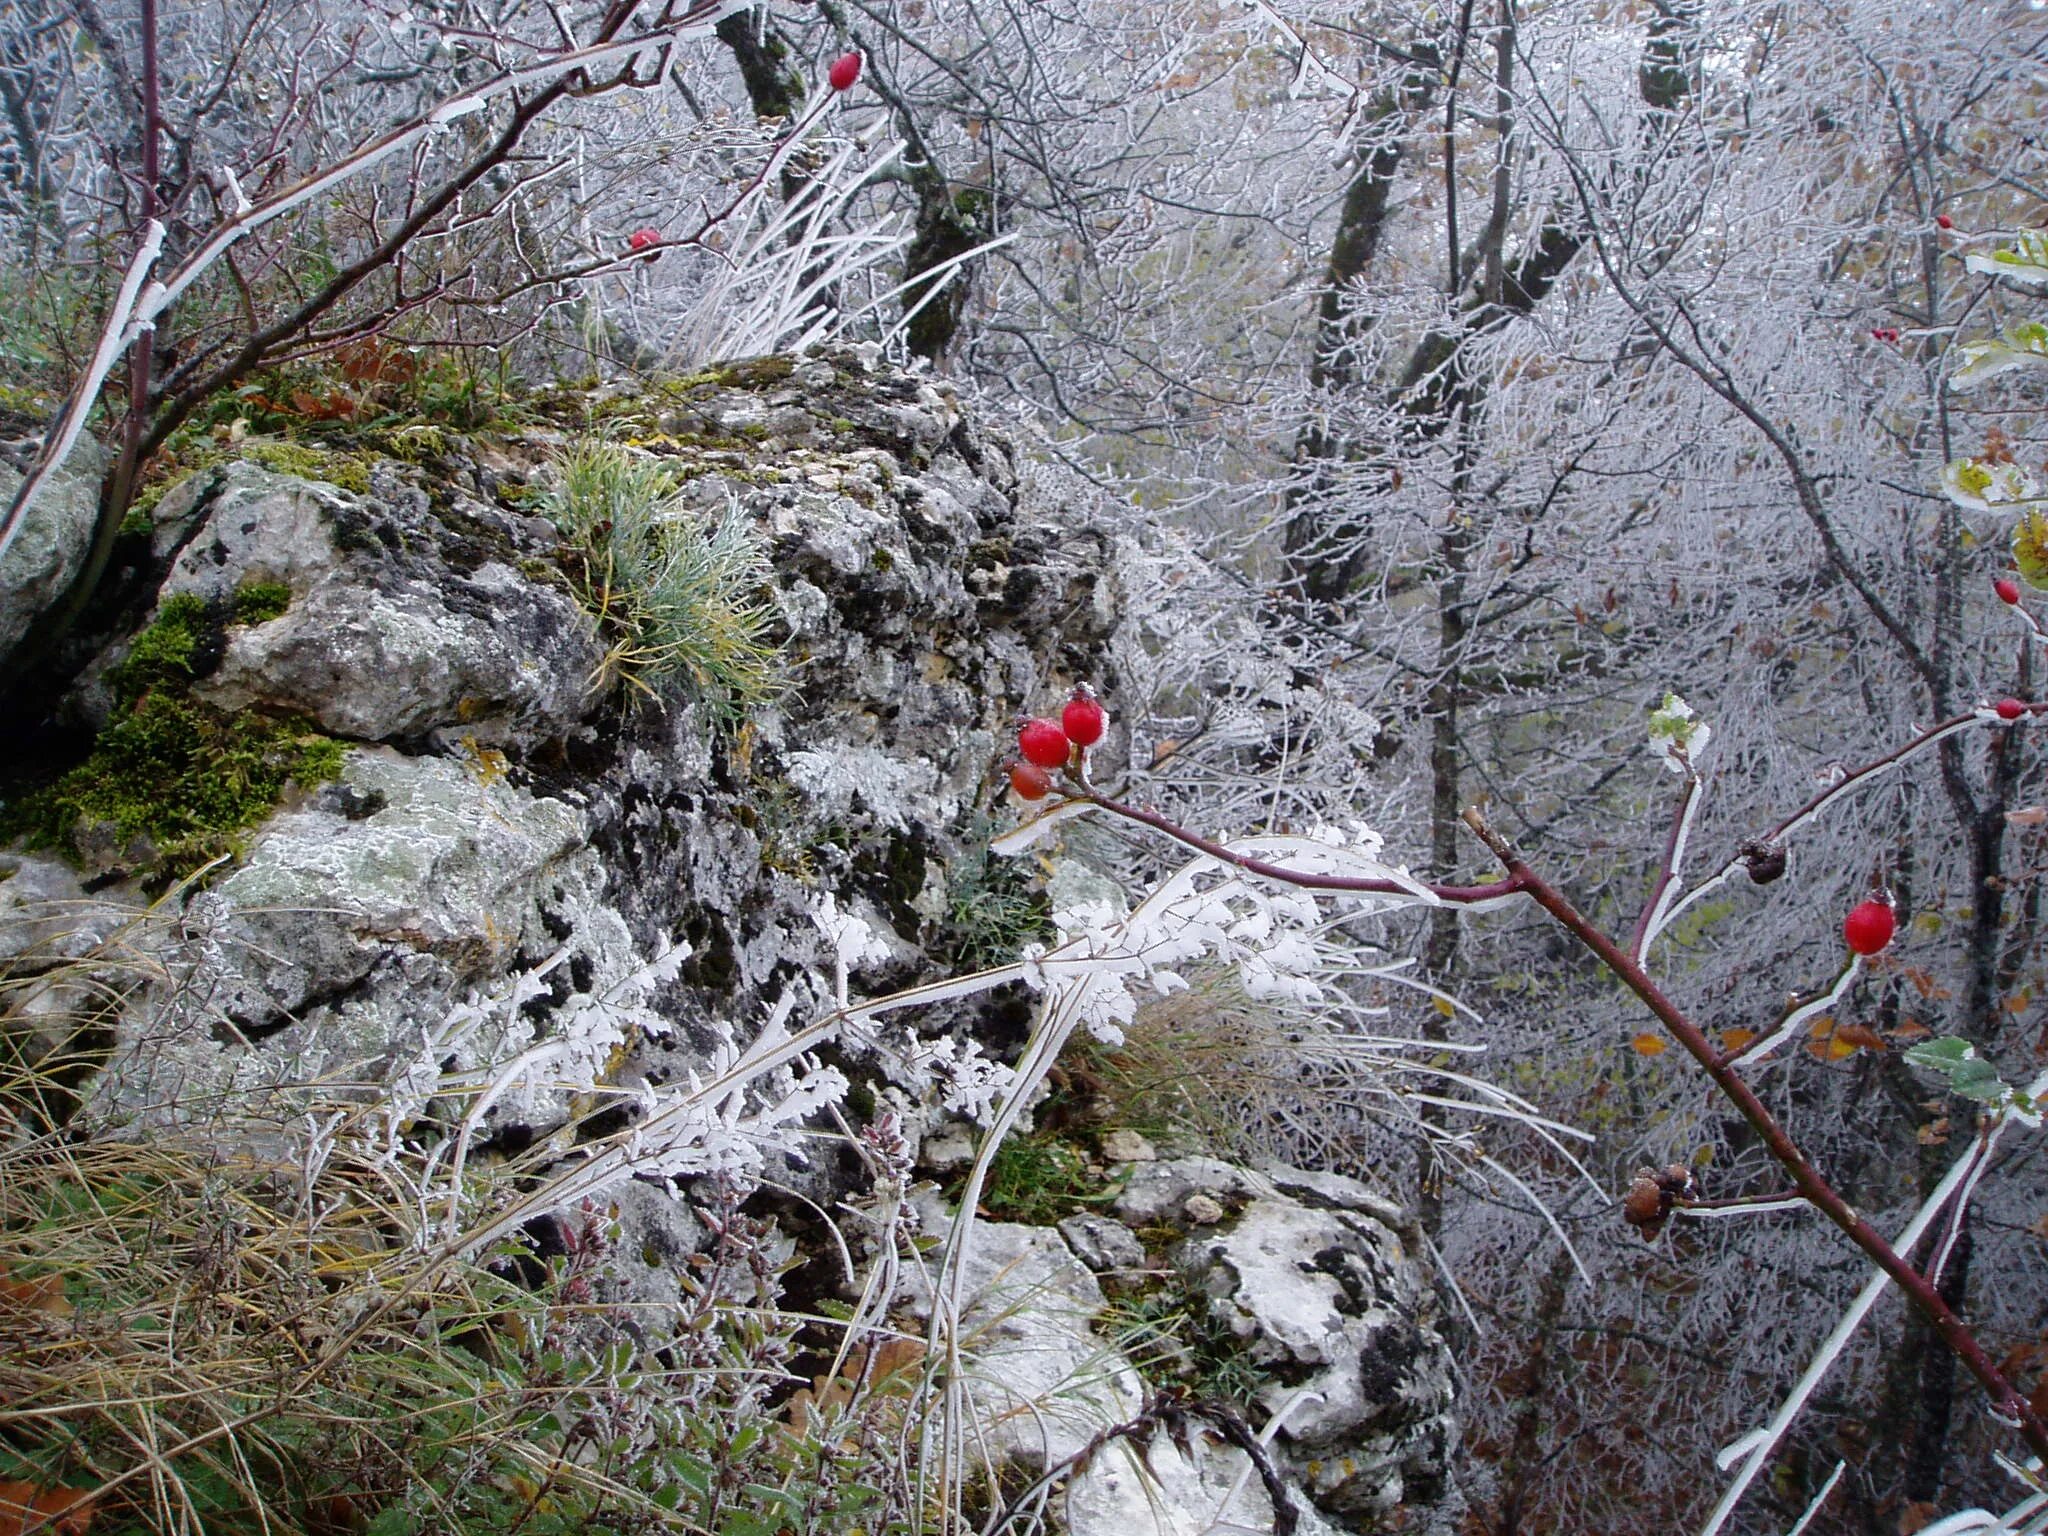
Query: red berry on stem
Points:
[640, 239]
[1030, 781]
[1869, 926]
[1044, 743]
[2007, 589]
[1082, 719]
[844, 71]
[2010, 709]
[1944, 221]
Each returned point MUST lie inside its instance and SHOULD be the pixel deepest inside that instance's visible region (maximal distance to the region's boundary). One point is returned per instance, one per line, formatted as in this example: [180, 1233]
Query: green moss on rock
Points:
[258, 602]
[171, 781]
[348, 472]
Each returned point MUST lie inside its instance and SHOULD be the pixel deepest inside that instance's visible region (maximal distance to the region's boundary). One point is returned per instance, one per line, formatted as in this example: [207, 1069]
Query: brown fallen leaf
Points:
[28, 1509]
[44, 1294]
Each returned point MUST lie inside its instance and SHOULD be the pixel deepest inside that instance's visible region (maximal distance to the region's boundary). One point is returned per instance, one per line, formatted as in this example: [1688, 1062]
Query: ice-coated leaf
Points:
[1940, 1055]
[2030, 548]
[1028, 834]
[2024, 261]
[2023, 346]
[1984, 486]
[1978, 1079]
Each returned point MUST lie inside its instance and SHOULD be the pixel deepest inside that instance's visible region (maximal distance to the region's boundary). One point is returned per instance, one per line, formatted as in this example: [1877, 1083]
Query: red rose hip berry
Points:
[1044, 743]
[1943, 221]
[1030, 781]
[2010, 709]
[1083, 719]
[2007, 589]
[844, 71]
[640, 239]
[1869, 926]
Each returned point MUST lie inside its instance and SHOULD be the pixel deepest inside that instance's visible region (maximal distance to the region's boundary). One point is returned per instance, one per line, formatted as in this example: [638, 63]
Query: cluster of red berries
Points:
[1884, 333]
[1051, 744]
[1869, 926]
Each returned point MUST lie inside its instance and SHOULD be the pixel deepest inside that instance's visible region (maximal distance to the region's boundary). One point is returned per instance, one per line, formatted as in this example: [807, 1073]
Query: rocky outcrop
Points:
[1312, 1279]
[51, 546]
[518, 860]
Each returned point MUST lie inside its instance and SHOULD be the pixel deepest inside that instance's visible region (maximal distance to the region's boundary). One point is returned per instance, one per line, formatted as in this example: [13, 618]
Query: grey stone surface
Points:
[46, 912]
[1102, 1243]
[1039, 1383]
[1159, 1191]
[404, 621]
[1331, 1300]
[51, 545]
[405, 856]
[1127, 1147]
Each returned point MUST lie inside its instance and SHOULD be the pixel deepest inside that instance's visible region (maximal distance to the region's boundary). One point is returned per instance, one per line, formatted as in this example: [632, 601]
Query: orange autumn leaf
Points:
[1736, 1039]
[1838, 1049]
[1926, 985]
[1647, 1045]
[1821, 1027]
[1860, 1038]
[27, 1507]
[43, 1294]
[1912, 1029]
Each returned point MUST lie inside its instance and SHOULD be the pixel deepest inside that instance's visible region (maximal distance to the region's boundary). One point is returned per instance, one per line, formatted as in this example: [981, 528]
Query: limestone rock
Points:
[47, 914]
[1159, 1191]
[403, 621]
[52, 543]
[1038, 1380]
[1331, 1300]
[1127, 1147]
[1103, 1244]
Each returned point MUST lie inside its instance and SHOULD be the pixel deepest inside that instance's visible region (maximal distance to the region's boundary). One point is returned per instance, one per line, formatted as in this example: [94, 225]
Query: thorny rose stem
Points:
[1811, 1184]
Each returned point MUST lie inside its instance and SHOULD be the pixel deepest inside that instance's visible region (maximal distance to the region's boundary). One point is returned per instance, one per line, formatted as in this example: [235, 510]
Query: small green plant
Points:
[679, 599]
[1037, 1180]
[1168, 1333]
[992, 907]
[170, 780]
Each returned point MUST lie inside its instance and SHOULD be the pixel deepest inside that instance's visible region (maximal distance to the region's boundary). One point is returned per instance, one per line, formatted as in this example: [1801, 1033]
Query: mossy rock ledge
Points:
[429, 792]
[484, 798]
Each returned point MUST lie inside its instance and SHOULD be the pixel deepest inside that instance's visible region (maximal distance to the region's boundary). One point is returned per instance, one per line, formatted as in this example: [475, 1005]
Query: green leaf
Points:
[1976, 1079]
[2025, 261]
[1940, 1055]
[1983, 486]
[2030, 548]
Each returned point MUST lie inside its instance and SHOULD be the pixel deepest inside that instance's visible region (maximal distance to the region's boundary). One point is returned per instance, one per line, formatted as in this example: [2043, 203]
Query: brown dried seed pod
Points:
[1676, 1181]
[1764, 861]
[1646, 1205]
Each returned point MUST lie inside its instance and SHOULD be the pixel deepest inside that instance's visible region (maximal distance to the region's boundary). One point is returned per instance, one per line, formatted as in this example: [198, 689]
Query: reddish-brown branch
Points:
[1668, 870]
[1806, 1178]
[1808, 1182]
[1457, 895]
